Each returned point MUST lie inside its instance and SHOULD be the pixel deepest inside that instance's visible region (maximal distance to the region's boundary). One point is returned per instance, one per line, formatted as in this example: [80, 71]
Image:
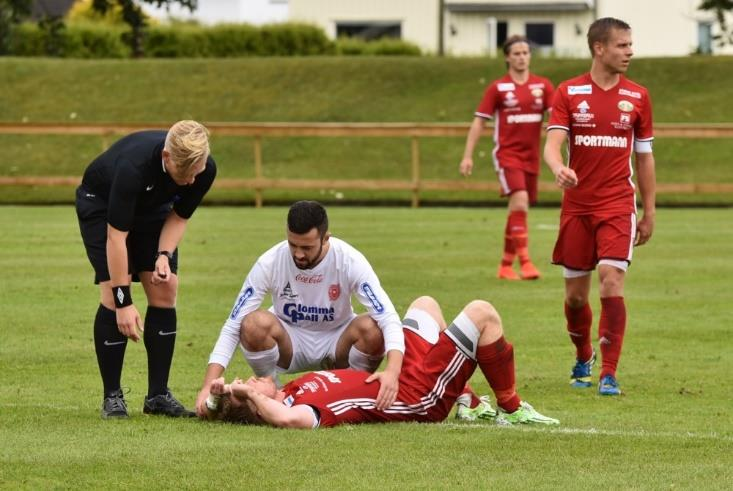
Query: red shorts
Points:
[512, 180]
[433, 376]
[586, 239]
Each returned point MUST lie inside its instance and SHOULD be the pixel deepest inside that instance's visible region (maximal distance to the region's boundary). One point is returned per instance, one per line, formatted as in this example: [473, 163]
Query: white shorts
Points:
[313, 350]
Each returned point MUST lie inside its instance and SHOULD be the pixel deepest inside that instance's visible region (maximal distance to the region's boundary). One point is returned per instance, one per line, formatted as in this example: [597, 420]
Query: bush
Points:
[95, 40]
[294, 40]
[231, 40]
[179, 41]
[73, 41]
[383, 46]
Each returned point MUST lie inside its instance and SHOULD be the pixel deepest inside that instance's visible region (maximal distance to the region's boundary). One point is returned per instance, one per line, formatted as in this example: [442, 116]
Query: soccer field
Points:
[673, 427]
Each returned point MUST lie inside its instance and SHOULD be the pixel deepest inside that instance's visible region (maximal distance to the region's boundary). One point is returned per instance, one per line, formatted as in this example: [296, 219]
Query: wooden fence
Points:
[414, 131]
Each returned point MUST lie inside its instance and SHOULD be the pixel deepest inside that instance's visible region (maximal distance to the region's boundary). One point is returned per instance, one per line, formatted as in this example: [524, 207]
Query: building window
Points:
[704, 38]
[369, 30]
[501, 30]
[541, 34]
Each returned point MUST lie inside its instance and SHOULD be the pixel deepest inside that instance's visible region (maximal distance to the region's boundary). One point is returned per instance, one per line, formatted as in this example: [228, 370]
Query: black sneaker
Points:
[114, 405]
[166, 405]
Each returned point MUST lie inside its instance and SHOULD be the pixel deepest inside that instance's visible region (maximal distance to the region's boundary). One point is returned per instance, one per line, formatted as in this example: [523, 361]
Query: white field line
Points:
[492, 427]
[596, 432]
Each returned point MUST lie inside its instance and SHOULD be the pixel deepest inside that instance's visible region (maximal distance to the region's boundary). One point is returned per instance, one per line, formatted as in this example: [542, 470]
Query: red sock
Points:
[509, 249]
[517, 223]
[611, 330]
[579, 322]
[496, 361]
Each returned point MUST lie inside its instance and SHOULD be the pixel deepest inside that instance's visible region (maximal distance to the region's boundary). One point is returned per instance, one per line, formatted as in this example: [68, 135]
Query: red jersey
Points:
[602, 127]
[517, 111]
[432, 377]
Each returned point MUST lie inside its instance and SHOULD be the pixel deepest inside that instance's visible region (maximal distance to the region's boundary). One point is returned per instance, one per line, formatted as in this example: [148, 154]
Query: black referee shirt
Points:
[130, 178]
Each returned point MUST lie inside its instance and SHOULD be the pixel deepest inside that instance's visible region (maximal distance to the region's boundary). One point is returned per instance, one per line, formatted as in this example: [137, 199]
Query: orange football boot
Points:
[507, 273]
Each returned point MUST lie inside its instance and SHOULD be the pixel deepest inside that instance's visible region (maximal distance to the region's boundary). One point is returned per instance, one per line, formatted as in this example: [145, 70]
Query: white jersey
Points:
[317, 299]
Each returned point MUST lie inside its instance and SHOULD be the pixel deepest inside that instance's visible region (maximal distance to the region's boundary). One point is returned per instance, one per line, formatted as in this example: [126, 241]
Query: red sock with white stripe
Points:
[496, 361]
[611, 329]
[579, 324]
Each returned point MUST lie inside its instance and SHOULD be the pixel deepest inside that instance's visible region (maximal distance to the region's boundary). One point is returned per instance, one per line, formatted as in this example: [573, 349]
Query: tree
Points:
[11, 12]
[721, 8]
[133, 16]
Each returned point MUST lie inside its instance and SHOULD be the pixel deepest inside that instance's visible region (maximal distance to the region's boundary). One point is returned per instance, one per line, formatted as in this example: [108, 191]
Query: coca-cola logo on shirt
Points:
[308, 279]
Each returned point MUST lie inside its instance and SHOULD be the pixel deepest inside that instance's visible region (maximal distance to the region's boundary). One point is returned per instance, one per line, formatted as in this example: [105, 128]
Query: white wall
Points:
[418, 18]
[660, 27]
[227, 11]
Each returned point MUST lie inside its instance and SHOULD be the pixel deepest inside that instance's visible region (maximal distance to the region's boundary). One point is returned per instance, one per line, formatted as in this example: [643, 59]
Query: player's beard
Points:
[310, 264]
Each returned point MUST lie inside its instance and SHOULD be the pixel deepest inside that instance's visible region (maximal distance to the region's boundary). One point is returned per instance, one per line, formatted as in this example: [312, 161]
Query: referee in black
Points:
[133, 205]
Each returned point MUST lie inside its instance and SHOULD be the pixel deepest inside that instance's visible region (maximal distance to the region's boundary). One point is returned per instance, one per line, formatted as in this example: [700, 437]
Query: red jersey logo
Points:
[334, 291]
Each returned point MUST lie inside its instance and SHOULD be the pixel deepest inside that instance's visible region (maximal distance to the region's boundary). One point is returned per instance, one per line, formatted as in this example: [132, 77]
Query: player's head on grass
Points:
[186, 150]
[307, 233]
[609, 41]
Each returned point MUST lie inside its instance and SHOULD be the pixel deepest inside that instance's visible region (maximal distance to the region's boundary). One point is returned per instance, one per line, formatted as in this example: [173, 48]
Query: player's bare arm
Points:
[646, 177]
[388, 380]
[565, 177]
[128, 318]
[474, 134]
[213, 372]
[273, 412]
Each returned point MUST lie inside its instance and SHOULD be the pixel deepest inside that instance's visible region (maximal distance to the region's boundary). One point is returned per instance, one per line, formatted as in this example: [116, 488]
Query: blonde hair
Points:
[188, 143]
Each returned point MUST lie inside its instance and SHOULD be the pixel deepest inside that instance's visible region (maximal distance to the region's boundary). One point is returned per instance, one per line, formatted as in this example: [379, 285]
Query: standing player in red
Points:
[604, 117]
[439, 360]
[517, 103]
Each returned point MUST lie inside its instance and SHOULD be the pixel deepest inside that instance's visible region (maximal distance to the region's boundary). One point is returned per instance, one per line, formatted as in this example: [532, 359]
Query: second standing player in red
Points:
[604, 117]
[516, 102]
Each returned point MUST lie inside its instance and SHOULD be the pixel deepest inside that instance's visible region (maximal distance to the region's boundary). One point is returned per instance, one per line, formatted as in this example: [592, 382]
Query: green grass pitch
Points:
[672, 429]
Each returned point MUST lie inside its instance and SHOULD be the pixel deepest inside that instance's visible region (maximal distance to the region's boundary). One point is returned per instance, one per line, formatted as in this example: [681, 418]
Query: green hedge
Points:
[75, 41]
[384, 46]
[82, 40]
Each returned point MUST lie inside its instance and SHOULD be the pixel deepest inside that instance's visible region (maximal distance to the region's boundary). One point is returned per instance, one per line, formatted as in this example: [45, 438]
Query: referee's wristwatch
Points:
[164, 253]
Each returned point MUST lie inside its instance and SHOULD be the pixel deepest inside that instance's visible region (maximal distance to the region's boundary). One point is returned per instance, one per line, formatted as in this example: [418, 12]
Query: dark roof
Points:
[517, 7]
[50, 8]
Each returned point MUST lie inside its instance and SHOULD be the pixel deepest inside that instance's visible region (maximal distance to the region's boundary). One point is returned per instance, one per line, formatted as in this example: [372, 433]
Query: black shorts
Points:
[142, 241]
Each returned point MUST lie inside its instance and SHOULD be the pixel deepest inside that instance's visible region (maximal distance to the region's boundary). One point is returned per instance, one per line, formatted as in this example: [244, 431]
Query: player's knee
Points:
[163, 294]
[484, 316]
[367, 334]
[575, 300]
[424, 302]
[255, 329]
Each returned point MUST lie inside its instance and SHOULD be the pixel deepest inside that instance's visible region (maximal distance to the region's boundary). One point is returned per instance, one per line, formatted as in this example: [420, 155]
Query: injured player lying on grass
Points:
[439, 360]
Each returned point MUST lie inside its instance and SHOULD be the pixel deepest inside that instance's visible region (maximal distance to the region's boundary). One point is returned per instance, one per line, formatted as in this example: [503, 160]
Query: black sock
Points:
[110, 346]
[160, 340]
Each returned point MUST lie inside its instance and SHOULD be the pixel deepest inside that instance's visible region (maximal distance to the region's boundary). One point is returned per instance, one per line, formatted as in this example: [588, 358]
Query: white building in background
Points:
[255, 12]
[479, 27]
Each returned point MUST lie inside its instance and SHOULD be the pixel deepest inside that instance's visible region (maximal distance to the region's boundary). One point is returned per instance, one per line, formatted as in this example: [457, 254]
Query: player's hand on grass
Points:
[388, 387]
[129, 322]
[466, 167]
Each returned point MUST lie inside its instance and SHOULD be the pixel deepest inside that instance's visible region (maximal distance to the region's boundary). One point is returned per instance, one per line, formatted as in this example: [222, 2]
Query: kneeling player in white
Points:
[311, 278]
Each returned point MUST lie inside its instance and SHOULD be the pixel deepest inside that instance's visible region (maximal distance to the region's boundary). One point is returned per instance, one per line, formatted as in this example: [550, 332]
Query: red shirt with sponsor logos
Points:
[517, 110]
[433, 375]
[602, 127]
